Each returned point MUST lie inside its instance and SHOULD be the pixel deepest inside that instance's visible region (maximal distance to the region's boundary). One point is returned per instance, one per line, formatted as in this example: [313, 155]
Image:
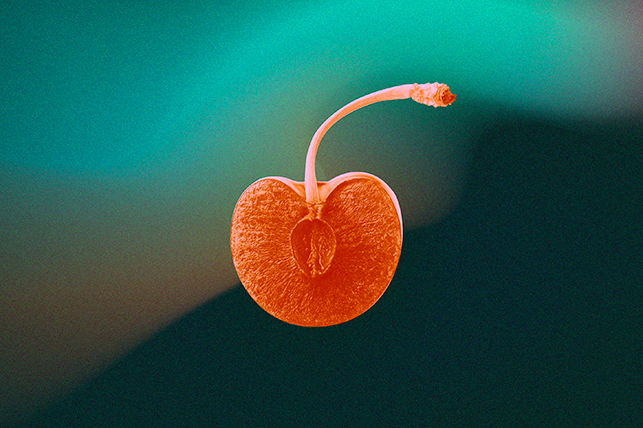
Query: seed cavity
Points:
[313, 245]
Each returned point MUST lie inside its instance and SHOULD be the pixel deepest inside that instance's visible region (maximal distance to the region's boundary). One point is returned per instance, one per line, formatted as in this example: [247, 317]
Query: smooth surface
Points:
[521, 308]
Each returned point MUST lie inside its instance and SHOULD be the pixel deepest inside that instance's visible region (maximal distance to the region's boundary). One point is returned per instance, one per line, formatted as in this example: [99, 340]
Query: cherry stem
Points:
[435, 94]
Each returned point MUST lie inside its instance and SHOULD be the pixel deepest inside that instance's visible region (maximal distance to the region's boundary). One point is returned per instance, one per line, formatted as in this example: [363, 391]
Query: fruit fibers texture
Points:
[316, 266]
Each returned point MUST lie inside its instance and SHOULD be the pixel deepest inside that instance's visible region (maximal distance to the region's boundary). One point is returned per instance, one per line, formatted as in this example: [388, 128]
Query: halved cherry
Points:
[322, 253]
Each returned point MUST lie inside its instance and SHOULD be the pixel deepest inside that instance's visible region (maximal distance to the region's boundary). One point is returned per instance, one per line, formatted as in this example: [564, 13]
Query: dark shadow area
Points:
[523, 307]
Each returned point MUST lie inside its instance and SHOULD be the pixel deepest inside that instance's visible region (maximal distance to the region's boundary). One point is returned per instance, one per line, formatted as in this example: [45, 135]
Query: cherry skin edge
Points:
[325, 188]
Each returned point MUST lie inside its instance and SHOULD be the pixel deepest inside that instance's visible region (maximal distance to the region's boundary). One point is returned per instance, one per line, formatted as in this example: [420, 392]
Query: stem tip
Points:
[432, 94]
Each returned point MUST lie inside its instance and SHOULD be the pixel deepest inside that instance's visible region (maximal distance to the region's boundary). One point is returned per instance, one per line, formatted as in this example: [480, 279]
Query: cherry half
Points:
[322, 253]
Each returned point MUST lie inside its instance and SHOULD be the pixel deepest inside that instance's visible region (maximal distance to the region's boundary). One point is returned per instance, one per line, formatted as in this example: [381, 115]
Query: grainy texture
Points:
[432, 94]
[313, 245]
[368, 236]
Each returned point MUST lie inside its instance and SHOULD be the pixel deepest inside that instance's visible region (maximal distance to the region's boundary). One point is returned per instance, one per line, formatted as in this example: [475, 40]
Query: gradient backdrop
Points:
[129, 129]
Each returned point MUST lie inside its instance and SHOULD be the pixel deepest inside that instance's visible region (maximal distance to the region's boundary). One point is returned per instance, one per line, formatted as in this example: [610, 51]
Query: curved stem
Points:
[434, 94]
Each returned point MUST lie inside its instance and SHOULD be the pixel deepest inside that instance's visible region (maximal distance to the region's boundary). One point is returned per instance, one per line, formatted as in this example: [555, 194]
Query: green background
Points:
[129, 129]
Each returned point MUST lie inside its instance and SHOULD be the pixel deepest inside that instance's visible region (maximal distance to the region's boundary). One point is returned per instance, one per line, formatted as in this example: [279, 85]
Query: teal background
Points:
[129, 129]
